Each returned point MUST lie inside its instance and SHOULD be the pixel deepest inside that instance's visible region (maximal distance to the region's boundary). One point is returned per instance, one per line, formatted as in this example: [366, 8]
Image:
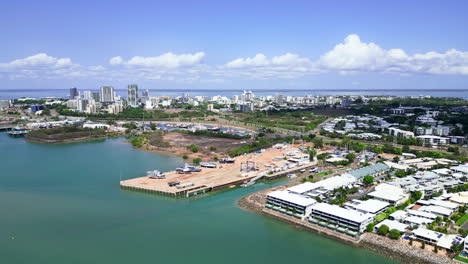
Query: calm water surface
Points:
[62, 204]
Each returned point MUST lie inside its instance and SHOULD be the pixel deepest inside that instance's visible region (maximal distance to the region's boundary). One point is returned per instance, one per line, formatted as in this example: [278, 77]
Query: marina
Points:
[244, 170]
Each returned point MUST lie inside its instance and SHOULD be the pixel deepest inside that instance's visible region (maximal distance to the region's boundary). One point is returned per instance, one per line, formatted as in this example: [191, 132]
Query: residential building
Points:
[107, 94]
[389, 193]
[375, 170]
[35, 108]
[132, 95]
[400, 133]
[370, 206]
[246, 107]
[96, 97]
[289, 202]
[73, 93]
[4, 104]
[433, 140]
[347, 219]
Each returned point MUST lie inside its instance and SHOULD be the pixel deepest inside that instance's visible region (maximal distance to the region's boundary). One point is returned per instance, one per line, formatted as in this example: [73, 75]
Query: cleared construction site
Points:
[271, 163]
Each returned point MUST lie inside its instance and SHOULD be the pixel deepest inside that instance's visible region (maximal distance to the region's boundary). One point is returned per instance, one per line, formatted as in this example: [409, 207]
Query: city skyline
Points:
[296, 45]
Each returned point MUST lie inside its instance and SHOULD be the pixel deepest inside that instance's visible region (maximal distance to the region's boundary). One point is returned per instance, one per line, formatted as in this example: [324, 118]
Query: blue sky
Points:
[235, 44]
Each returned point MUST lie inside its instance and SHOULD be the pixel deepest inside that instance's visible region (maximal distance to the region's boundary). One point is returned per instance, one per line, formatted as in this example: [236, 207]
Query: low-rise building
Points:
[370, 206]
[291, 203]
[392, 224]
[375, 170]
[400, 133]
[341, 217]
[389, 193]
[426, 235]
[433, 140]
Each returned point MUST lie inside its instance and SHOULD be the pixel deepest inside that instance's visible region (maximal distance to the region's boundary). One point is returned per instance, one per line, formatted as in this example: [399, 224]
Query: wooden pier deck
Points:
[210, 179]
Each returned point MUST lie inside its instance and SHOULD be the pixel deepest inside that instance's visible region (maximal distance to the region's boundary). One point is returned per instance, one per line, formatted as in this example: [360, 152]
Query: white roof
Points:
[396, 165]
[340, 212]
[445, 204]
[461, 197]
[448, 240]
[421, 214]
[329, 184]
[400, 214]
[293, 198]
[418, 220]
[335, 159]
[303, 187]
[426, 233]
[392, 224]
[388, 192]
[370, 206]
[461, 168]
[442, 171]
[436, 210]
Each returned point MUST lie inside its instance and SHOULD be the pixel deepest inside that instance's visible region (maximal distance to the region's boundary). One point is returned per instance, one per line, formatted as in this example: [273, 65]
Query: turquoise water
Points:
[62, 204]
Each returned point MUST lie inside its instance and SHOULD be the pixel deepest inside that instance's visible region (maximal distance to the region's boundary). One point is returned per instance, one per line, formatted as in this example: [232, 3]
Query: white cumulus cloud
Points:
[166, 60]
[38, 60]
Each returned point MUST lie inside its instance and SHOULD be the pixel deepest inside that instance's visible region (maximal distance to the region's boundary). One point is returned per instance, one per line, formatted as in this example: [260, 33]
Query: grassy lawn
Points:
[462, 220]
[322, 174]
[462, 259]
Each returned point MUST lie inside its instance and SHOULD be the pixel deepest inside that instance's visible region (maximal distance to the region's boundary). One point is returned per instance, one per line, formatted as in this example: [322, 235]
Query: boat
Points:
[174, 183]
[155, 174]
[18, 132]
[213, 129]
[227, 160]
[313, 170]
[184, 185]
[302, 170]
[208, 164]
[291, 175]
[183, 170]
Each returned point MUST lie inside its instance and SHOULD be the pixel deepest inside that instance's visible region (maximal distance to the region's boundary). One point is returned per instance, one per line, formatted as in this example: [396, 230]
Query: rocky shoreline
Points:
[381, 245]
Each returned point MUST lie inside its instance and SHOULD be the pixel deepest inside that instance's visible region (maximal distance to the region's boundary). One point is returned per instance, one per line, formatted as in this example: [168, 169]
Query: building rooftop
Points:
[369, 170]
[370, 206]
[388, 192]
[448, 240]
[436, 210]
[293, 198]
[428, 234]
[392, 224]
[340, 212]
[421, 214]
[328, 184]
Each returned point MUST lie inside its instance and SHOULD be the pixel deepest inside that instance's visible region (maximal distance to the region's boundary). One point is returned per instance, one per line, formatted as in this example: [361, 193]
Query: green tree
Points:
[400, 173]
[370, 227]
[394, 234]
[46, 111]
[318, 142]
[197, 161]
[367, 180]
[383, 230]
[185, 157]
[416, 195]
[312, 153]
[396, 159]
[350, 156]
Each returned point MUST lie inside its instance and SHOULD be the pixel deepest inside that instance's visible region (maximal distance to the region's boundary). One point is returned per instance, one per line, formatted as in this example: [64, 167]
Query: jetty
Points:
[245, 170]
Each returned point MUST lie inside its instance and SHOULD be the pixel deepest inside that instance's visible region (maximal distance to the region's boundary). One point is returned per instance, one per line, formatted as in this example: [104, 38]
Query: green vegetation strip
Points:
[462, 259]
[462, 220]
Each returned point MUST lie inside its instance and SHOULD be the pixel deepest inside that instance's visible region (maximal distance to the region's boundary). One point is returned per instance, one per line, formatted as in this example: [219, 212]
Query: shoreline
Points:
[64, 141]
[384, 246]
